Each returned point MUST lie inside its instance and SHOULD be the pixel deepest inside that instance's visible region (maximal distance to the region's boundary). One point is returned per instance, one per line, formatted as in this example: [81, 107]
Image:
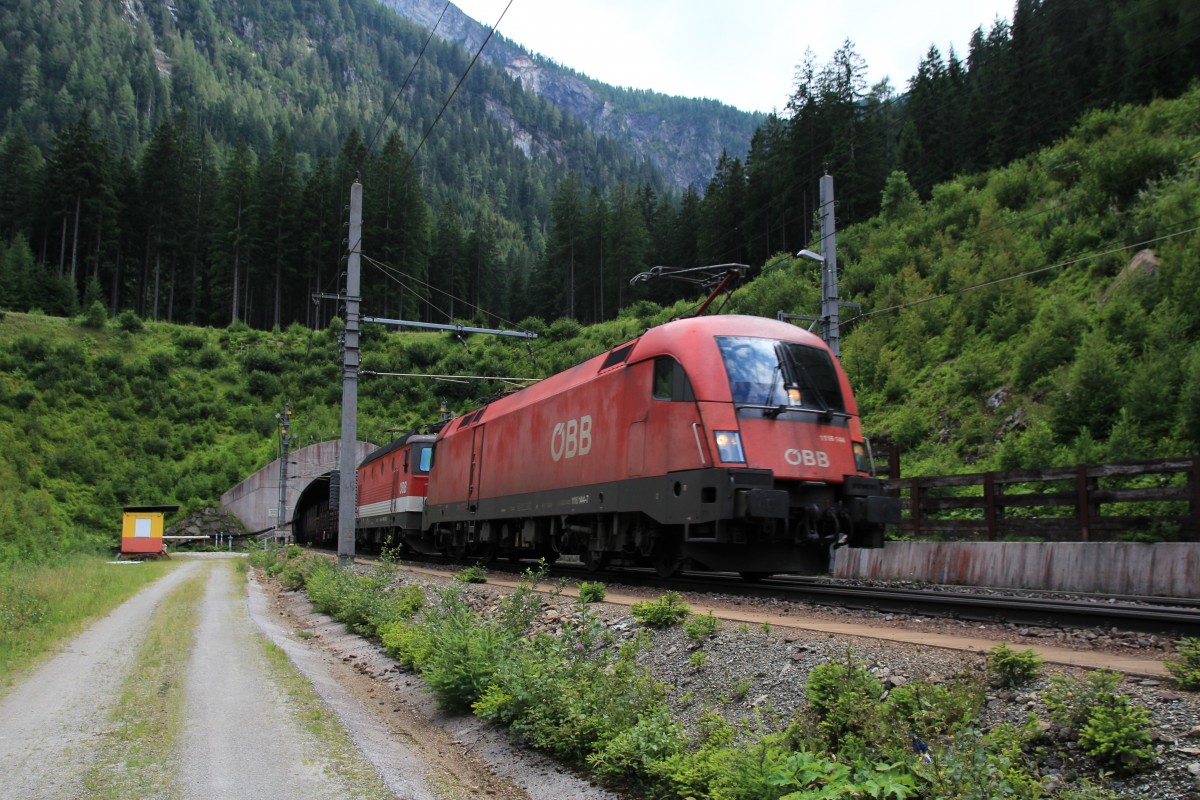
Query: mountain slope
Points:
[682, 137]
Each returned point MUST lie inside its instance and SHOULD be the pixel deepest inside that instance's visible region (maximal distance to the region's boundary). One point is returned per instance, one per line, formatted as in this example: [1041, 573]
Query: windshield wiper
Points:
[794, 367]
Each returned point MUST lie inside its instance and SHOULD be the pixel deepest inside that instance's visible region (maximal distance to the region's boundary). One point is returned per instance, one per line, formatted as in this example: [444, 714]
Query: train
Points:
[724, 443]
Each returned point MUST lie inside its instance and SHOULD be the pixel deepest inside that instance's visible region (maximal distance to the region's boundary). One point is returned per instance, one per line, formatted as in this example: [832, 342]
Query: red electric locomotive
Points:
[392, 483]
[728, 443]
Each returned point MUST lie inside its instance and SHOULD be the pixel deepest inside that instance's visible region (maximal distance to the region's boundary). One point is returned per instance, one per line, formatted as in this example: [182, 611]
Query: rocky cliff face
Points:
[683, 140]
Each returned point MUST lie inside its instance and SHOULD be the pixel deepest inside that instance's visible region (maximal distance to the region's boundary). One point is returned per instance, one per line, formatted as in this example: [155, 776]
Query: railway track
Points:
[1166, 616]
[1173, 617]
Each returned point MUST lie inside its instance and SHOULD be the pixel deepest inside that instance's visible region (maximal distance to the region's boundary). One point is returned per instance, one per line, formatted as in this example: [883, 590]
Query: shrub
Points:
[591, 592]
[635, 755]
[1070, 701]
[698, 628]
[408, 643]
[362, 602]
[464, 653]
[668, 610]
[1184, 666]
[128, 321]
[472, 574]
[810, 775]
[933, 709]
[1117, 735]
[260, 360]
[843, 696]
[95, 317]
[569, 696]
[295, 572]
[1011, 667]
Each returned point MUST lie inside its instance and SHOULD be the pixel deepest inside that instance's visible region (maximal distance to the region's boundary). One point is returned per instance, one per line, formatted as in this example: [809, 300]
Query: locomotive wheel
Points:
[668, 565]
[594, 560]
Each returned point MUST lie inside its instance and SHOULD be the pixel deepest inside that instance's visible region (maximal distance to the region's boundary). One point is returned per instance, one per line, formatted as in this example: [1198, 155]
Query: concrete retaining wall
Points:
[1165, 570]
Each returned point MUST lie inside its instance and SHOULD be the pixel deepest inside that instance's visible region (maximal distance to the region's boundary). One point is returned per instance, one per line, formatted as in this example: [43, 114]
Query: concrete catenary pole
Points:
[348, 494]
[829, 275]
[285, 441]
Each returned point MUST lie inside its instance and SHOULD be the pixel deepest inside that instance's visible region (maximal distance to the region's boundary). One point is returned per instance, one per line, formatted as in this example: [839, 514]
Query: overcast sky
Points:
[742, 52]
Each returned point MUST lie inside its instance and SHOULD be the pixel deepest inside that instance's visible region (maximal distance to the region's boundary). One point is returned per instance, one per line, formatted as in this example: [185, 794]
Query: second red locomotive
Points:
[727, 443]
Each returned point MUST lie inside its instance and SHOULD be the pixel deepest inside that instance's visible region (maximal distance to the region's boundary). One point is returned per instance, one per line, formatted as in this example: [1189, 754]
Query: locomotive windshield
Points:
[780, 375]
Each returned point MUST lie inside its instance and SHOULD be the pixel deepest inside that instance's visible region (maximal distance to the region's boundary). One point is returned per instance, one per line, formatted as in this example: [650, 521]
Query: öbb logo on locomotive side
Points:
[571, 438]
[808, 458]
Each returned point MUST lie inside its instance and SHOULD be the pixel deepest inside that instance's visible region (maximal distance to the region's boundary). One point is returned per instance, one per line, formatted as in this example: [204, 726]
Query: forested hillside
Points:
[1047, 312]
[191, 162]
[195, 158]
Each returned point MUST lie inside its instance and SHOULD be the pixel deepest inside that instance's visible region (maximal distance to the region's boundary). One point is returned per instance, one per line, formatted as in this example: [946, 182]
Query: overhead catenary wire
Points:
[399, 276]
[521, 382]
[454, 91]
[408, 77]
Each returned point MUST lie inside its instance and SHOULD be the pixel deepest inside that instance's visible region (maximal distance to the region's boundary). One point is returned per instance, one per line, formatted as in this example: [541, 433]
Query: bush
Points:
[810, 775]
[1070, 701]
[1111, 730]
[464, 654]
[569, 696]
[1117, 735]
[362, 602]
[634, 756]
[95, 317]
[1011, 667]
[1184, 666]
[668, 610]
[129, 321]
[591, 592]
[933, 709]
[408, 643]
[476, 573]
[843, 696]
[699, 628]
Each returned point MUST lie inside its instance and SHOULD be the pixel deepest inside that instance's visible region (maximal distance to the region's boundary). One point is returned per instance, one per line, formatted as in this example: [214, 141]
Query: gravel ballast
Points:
[756, 673]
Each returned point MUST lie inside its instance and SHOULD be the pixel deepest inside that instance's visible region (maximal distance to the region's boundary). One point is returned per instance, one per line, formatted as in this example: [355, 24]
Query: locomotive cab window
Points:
[670, 381]
[424, 459]
[767, 372]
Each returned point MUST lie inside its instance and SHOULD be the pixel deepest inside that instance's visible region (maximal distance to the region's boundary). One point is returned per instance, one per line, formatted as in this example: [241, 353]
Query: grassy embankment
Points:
[42, 607]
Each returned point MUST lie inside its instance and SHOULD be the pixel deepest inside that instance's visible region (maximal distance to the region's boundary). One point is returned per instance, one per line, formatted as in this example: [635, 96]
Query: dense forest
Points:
[192, 163]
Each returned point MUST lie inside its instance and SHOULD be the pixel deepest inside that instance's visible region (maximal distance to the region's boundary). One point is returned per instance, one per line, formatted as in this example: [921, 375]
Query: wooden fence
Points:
[1093, 502]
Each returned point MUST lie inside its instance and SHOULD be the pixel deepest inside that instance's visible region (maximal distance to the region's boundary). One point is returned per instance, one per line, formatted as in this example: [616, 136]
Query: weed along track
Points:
[693, 695]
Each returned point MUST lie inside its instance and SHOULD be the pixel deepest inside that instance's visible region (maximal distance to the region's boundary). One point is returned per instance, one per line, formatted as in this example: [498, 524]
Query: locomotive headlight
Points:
[729, 445]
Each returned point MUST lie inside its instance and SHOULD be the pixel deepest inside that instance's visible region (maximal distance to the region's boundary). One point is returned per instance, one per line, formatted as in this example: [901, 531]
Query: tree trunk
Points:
[75, 237]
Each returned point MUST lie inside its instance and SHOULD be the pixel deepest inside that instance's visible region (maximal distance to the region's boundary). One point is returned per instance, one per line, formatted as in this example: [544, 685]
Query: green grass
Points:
[42, 607]
[149, 716]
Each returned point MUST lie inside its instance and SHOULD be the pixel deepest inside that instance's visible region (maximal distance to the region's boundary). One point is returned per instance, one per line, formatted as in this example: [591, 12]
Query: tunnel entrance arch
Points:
[255, 501]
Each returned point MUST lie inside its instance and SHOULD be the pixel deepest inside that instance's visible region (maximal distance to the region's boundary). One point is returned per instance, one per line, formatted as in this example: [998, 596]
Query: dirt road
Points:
[249, 723]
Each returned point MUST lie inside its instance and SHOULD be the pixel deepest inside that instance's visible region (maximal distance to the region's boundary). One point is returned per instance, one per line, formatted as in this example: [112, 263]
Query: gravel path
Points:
[241, 737]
